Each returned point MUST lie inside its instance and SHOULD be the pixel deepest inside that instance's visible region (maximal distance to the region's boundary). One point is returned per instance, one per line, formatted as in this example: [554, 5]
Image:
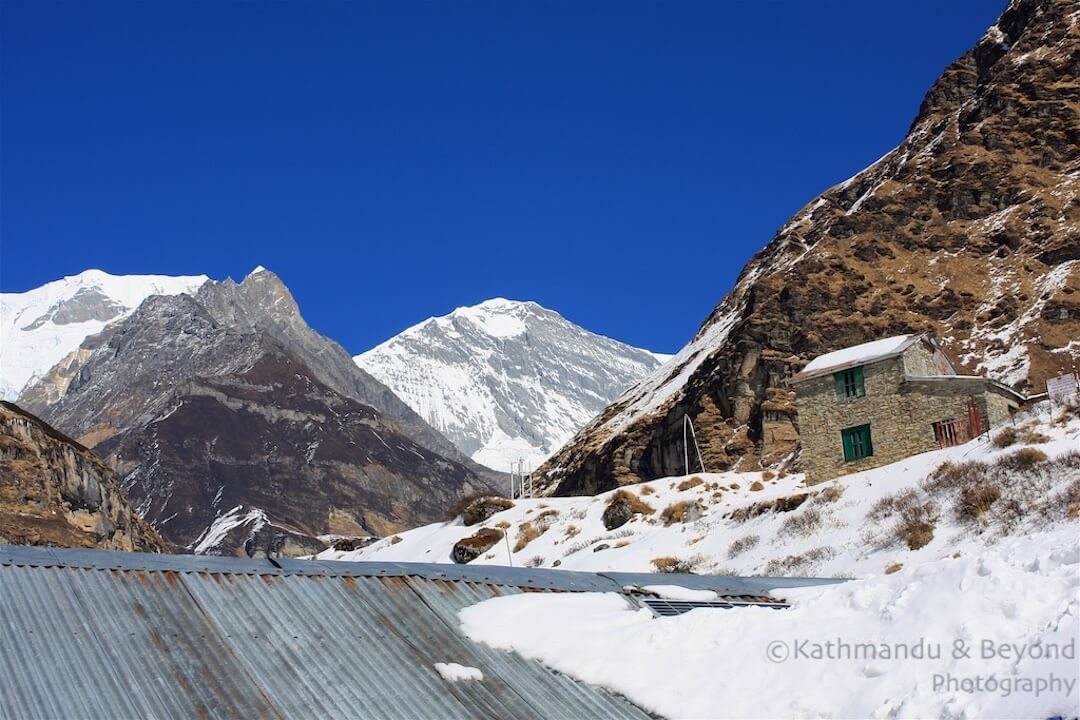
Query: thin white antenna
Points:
[688, 423]
[509, 555]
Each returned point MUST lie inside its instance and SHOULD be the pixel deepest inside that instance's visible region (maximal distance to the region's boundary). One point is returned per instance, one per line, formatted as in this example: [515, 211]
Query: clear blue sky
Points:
[616, 161]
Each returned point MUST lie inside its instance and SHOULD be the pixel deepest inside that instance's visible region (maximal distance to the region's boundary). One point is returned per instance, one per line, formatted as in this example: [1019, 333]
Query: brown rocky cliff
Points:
[55, 492]
[969, 229]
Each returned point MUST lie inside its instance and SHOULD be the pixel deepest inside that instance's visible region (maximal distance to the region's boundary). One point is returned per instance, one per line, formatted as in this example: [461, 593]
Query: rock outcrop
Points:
[53, 491]
[969, 229]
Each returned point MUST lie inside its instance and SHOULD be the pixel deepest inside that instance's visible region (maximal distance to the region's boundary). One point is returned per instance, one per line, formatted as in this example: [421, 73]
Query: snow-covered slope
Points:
[756, 524]
[506, 379]
[978, 633]
[975, 545]
[40, 327]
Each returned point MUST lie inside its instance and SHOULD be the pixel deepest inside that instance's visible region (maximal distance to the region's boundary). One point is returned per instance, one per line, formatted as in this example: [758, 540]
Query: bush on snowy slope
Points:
[912, 511]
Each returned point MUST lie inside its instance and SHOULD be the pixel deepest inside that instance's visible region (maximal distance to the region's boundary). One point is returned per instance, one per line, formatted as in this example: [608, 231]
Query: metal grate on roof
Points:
[662, 607]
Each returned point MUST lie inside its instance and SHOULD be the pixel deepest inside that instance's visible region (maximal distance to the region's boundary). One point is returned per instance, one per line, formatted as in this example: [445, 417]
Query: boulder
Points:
[484, 507]
[468, 549]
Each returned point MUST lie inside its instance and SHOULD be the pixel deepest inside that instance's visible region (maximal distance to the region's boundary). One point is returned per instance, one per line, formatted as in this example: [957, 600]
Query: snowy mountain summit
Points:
[506, 379]
[40, 327]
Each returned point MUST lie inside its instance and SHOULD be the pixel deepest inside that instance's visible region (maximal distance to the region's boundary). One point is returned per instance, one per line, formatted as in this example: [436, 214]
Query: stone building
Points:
[876, 403]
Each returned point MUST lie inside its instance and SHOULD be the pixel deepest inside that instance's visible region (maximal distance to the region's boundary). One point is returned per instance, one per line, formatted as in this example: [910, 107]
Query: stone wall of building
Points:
[901, 412]
[919, 360]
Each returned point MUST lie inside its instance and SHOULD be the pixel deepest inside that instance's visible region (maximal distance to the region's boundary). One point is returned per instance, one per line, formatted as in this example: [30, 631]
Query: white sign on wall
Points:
[1062, 387]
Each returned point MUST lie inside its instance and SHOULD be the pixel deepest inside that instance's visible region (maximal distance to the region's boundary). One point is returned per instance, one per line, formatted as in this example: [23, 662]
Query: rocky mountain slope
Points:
[227, 415]
[504, 379]
[40, 327]
[970, 228]
[54, 491]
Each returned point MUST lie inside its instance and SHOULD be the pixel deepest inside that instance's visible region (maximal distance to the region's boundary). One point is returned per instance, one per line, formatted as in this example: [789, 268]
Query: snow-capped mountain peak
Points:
[506, 379]
[40, 327]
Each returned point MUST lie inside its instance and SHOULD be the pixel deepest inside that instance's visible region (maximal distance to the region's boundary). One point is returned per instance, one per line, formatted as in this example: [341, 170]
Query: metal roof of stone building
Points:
[92, 634]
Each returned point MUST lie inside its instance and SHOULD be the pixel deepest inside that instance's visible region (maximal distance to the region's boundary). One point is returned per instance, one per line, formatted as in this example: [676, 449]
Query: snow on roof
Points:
[859, 354]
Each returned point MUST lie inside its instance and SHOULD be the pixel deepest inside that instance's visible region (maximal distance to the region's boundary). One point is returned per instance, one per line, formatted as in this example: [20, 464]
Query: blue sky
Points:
[616, 161]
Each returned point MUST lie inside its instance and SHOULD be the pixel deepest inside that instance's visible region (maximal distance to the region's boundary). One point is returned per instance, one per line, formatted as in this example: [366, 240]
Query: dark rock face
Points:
[55, 492]
[468, 549]
[617, 513]
[968, 229]
[271, 438]
[222, 428]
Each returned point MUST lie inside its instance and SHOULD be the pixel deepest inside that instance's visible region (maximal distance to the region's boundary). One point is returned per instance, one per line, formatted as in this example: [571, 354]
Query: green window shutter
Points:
[860, 386]
[857, 443]
[838, 379]
[849, 451]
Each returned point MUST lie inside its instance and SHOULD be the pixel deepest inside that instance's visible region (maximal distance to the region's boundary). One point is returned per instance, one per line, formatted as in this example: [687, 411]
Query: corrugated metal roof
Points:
[91, 634]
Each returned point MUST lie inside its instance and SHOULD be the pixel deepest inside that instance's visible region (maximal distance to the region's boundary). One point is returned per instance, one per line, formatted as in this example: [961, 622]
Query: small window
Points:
[946, 433]
[857, 443]
[849, 384]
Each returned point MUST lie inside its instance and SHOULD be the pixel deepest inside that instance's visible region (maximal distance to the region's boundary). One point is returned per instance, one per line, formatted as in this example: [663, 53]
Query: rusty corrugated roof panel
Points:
[92, 634]
[85, 634]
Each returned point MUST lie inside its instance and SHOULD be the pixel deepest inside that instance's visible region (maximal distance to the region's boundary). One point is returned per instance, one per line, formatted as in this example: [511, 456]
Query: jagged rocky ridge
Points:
[505, 379]
[53, 491]
[226, 415]
[38, 328]
[970, 229]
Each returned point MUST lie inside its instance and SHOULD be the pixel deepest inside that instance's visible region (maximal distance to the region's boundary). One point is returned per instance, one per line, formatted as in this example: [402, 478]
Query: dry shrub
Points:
[768, 475]
[690, 483]
[621, 543]
[647, 490]
[794, 563]
[395, 540]
[571, 530]
[1005, 438]
[804, 524]
[1034, 437]
[756, 486]
[953, 475]
[734, 486]
[547, 518]
[893, 567]
[916, 525]
[527, 532]
[975, 501]
[1069, 500]
[534, 562]
[680, 512]
[828, 495]
[670, 564]
[694, 540]
[889, 505]
[781, 504]
[738, 547]
[502, 524]
[1022, 459]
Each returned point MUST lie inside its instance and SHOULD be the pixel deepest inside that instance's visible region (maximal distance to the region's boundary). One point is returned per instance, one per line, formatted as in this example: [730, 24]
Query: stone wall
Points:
[900, 410]
[919, 360]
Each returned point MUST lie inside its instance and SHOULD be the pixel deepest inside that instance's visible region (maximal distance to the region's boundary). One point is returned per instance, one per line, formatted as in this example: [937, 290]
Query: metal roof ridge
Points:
[537, 578]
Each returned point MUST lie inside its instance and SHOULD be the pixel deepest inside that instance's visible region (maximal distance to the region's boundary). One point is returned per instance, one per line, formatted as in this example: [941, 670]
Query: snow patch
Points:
[453, 672]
